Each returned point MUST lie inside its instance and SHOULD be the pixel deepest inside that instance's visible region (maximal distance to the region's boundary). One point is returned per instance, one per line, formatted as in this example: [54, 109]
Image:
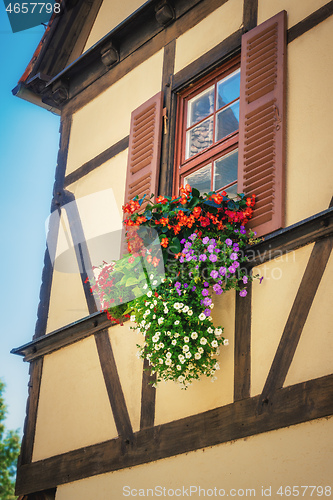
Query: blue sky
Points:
[29, 139]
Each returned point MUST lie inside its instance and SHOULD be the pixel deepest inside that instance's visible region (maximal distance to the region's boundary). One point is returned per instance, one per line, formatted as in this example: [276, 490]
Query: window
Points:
[208, 124]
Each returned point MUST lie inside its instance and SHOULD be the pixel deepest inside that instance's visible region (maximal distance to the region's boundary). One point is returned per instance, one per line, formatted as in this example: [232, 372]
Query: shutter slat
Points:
[262, 122]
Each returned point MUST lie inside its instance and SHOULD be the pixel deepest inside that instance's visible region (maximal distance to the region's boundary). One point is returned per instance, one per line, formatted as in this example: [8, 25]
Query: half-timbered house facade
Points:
[221, 94]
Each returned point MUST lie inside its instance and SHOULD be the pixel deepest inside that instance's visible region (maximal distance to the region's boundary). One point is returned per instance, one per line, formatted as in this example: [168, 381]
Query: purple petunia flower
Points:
[205, 240]
[207, 301]
[213, 257]
[222, 271]
[231, 269]
[182, 241]
[197, 267]
[210, 248]
[181, 259]
[243, 293]
[178, 284]
[204, 293]
[212, 241]
[194, 288]
[188, 257]
[244, 280]
[214, 274]
[185, 285]
[242, 230]
[217, 289]
[235, 247]
[233, 256]
[207, 312]
[235, 264]
[192, 237]
[203, 257]
[228, 242]
[206, 284]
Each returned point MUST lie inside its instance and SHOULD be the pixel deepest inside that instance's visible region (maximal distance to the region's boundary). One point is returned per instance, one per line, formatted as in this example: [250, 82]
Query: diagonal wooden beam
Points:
[113, 385]
[36, 369]
[242, 377]
[296, 320]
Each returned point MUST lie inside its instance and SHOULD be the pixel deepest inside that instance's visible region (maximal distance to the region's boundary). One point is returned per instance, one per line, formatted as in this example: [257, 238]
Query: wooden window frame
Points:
[224, 146]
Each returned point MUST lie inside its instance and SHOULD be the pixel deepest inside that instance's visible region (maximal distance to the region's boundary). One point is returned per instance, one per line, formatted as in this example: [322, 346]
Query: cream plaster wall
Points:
[297, 455]
[106, 120]
[130, 368]
[74, 408]
[173, 402]
[271, 304]
[111, 13]
[313, 356]
[309, 123]
[296, 10]
[67, 299]
[205, 35]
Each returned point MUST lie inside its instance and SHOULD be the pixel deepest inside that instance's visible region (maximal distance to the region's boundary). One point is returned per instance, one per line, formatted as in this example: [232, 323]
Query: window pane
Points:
[200, 106]
[227, 121]
[228, 89]
[225, 170]
[199, 137]
[200, 179]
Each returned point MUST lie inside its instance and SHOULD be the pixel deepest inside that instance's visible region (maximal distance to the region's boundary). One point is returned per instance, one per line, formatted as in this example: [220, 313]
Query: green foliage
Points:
[9, 452]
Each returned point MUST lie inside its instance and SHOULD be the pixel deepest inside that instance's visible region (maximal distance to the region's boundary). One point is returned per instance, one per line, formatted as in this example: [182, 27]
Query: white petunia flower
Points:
[174, 342]
[151, 276]
[186, 348]
[185, 309]
[203, 341]
[160, 360]
[190, 312]
[197, 355]
[226, 342]
[166, 310]
[181, 378]
[210, 330]
[218, 331]
[214, 343]
[217, 366]
[132, 318]
[151, 306]
[202, 316]
[176, 334]
[178, 367]
[188, 355]
[177, 322]
[150, 293]
[160, 320]
[168, 354]
[154, 282]
[145, 286]
[186, 339]
[194, 335]
[161, 345]
[168, 362]
[200, 349]
[181, 305]
[211, 306]
[154, 316]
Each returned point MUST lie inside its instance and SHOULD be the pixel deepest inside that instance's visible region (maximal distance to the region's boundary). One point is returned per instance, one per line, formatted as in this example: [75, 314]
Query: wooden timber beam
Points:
[292, 405]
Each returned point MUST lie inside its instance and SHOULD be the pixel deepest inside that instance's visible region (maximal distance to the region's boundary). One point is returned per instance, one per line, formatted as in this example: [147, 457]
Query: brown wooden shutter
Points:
[262, 122]
[144, 149]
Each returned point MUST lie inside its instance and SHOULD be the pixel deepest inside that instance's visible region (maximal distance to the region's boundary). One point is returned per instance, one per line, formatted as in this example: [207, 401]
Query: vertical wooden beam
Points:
[242, 376]
[250, 14]
[298, 315]
[166, 166]
[113, 385]
[36, 368]
[148, 396]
